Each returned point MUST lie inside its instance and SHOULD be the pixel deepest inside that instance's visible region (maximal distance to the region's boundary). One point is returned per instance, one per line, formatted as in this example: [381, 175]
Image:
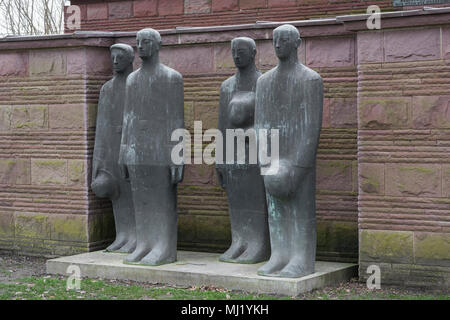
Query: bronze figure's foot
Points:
[116, 245]
[138, 254]
[236, 249]
[295, 269]
[159, 256]
[129, 246]
[272, 267]
[253, 254]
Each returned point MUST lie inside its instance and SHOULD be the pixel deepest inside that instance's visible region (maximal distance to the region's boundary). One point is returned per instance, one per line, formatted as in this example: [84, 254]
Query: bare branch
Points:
[31, 17]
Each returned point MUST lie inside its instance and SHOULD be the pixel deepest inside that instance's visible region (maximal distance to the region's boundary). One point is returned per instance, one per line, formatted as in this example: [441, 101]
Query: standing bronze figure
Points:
[154, 108]
[107, 181]
[290, 98]
[243, 183]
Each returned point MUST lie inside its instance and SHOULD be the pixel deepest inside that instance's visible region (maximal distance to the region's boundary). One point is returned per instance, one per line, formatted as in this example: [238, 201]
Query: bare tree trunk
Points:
[31, 17]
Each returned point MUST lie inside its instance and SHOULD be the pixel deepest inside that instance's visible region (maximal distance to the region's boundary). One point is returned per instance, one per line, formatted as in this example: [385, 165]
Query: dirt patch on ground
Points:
[14, 267]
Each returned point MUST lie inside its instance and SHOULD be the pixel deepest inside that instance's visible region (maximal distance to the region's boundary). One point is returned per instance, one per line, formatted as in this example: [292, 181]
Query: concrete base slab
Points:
[202, 269]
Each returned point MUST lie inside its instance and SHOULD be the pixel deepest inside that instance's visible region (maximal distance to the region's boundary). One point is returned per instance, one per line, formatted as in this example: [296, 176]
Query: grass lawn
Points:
[48, 288]
[55, 288]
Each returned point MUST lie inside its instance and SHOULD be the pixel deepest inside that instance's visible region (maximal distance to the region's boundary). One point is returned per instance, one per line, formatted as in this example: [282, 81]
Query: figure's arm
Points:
[98, 154]
[176, 104]
[223, 104]
[307, 150]
[125, 132]
[260, 123]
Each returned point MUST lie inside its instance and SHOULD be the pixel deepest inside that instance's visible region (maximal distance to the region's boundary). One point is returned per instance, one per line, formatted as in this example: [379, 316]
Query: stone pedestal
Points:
[198, 268]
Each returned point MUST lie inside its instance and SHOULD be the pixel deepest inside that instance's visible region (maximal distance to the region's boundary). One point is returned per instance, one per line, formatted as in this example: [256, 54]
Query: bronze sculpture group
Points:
[272, 216]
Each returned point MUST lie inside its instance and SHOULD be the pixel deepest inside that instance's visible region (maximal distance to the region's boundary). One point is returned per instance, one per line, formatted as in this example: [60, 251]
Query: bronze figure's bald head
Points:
[243, 50]
[148, 42]
[286, 40]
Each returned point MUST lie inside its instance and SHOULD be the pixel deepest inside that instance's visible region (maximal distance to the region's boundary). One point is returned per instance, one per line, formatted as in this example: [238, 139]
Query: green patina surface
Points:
[15, 171]
[92, 114]
[69, 228]
[40, 200]
[331, 167]
[442, 200]
[186, 228]
[432, 246]
[213, 228]
[419, 274]
[7, 115]
[49, 171]
[383, 101]
[77, 167]
[393, 113]
[336, 236]
[28, 122]
[275, 230]
[417, 179]
[50, 181]
[35, 226]
[431, 110]
[101, 227]
[51, 164]
[95, 228]
[41, 248]
[6, 225]
[417, 169]
[401, 186]
[388, 246]
[370, 185]
[76, 171]
[8, 162]
[199, 188]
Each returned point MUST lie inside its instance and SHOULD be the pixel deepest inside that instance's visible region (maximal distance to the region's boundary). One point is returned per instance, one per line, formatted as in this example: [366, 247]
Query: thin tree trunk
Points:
[31, 17]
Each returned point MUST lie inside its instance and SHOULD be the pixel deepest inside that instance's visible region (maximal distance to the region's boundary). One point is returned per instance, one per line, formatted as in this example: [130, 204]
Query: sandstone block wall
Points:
[403, 154]
[47, 123]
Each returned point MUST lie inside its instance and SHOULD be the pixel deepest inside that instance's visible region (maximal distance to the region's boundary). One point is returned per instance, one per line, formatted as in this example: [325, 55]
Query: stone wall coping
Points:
[93, 1]
[399, 19]
[395, 14]
[76, 34]
[77, 39]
